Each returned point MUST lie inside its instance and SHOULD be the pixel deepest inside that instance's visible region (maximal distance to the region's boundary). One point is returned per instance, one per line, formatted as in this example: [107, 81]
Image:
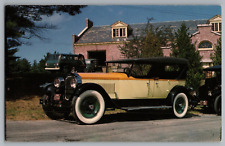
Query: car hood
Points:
[105, 76]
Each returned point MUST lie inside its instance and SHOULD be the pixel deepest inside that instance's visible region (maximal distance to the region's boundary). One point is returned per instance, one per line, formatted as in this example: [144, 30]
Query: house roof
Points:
[215, 17]
[100, 34]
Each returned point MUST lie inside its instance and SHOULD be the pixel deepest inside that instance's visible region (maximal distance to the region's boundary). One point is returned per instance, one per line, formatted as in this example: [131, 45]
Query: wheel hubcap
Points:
[89, 107]
[180, 105]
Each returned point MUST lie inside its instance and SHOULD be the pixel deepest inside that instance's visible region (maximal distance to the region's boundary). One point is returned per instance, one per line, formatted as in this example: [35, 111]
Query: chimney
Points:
[75, 38]
[89, 23]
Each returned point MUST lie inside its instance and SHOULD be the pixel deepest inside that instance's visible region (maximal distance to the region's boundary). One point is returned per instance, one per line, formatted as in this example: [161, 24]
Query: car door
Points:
[162, 87]
[166, 80]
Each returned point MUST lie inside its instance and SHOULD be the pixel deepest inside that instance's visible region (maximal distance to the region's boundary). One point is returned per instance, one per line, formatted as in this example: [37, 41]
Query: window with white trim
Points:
[119, 32]
[216, 27]
[119, 29]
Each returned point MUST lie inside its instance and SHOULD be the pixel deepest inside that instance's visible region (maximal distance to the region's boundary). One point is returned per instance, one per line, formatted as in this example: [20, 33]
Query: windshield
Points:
[119, 67]
[53, 57]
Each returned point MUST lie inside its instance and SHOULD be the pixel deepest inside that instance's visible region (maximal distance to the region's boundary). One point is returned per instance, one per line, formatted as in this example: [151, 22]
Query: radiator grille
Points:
[68, 89]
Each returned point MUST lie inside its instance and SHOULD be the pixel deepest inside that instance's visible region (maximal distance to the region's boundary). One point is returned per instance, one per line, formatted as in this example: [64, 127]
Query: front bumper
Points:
[56, 101]
[48, 68]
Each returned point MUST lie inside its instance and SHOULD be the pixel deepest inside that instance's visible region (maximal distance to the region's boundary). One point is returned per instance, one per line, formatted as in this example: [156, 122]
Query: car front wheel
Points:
[89, 107]
[52, 112]
[180, 105]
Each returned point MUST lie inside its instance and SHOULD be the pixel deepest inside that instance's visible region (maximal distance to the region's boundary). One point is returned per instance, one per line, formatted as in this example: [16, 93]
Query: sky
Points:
[60, 39]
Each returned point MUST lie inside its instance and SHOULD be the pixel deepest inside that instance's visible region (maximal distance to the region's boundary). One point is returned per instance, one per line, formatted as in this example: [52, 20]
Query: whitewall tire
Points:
[180, 105]
[89, 107]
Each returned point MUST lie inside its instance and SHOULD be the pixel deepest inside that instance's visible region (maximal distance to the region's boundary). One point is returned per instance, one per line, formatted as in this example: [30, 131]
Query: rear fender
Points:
[174, 92]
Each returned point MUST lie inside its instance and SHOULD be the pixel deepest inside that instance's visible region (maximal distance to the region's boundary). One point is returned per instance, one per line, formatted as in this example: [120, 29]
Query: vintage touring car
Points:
[64, 62]
[130, 84]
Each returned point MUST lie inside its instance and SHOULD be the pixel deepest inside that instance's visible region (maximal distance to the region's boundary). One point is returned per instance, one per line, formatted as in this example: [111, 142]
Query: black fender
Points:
[92, 86]
[48, 88]
[174, 91]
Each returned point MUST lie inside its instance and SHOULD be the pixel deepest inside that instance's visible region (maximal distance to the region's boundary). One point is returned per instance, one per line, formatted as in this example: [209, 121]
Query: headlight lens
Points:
[56, 65]
[58, 81]
[209, 93]
[193, 93]
[73, 83]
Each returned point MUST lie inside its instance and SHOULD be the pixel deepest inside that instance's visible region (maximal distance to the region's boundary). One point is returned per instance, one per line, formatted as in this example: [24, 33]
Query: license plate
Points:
[57, 96]
[203, 102]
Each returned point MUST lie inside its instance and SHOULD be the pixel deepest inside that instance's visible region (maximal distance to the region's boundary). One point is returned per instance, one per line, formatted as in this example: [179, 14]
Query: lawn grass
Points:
[25, 109]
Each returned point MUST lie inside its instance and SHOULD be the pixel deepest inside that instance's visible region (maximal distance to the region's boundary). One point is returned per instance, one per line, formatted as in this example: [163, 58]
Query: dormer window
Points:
[119, 29]
[216, 23]
[119, 32]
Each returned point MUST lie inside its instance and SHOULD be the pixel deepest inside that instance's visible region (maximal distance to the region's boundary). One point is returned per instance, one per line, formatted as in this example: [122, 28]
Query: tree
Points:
[132, 49]
[216, 57]
[22, 66]
[34, 67]
[41, 65]
[149, 43]
[151, 46]
[20, 23]
[183, 48]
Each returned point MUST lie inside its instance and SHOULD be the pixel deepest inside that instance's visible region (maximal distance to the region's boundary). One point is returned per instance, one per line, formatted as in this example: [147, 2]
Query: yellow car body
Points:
[120, 86]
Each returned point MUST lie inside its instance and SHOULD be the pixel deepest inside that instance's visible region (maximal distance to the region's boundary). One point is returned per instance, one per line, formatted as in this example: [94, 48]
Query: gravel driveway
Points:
[124, 127]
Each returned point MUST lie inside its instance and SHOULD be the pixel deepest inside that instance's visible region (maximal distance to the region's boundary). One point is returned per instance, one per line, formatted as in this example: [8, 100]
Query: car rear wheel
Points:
[180, 105]
[89, 107]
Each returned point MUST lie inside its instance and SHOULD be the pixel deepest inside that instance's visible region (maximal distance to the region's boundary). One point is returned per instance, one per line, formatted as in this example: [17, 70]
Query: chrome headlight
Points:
[58, 82]
[193, 93]
[209, 93]
[73, 83]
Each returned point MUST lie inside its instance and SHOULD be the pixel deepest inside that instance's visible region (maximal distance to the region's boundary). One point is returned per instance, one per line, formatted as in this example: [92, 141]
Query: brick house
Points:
[205, 39]
[102, 42]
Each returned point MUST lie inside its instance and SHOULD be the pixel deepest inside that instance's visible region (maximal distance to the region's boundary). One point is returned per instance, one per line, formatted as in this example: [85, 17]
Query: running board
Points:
[145, 107]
